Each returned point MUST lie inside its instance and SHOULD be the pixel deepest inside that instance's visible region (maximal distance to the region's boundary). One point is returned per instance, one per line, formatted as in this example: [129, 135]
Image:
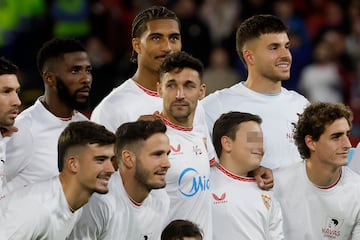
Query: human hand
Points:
[264, 177]
[8, 130]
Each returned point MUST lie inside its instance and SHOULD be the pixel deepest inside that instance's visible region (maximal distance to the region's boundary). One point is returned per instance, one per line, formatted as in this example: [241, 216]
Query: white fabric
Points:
[114, 216]
[310, 212]
[355, 159]
[241, 210]
[38, 211]
[126, 103]
[129, 101]
[31, 153]
[278, 112]
[3, 185]
[187, 180]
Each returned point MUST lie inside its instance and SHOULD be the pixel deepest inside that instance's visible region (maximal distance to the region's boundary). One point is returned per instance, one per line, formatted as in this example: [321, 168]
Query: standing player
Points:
[155, 34]
[263, 45]
[66, 71]
[192, 152]
[9, 109]
[320, 193]
[49, 209]
[131, 209]
[240, 209]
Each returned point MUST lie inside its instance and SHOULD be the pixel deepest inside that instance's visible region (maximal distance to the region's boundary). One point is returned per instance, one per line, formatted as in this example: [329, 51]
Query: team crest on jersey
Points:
[219, 199]
[266, 200]
[332, 227]
[197, 150]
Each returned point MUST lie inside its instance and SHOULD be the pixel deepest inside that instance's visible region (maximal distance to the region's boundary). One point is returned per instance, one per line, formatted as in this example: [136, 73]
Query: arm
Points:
[19, 150]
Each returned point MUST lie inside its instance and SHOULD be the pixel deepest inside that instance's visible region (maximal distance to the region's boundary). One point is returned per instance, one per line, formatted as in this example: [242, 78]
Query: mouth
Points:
[104, 179]
[161, 57]
[284, 65]
[14, 113]
[84, 91]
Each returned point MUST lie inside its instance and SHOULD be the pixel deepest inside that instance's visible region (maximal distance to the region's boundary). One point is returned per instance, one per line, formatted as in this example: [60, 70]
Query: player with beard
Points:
[131, 209]
[66, 71]
[49, 209]
[9, 108]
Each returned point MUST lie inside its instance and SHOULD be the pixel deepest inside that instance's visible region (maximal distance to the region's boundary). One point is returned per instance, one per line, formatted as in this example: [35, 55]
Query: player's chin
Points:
[102, 190]
[158, 185]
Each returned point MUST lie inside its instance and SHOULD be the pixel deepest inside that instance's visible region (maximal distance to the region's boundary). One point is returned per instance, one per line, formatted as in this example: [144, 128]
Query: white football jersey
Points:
[310, 212]
[114, 216]
[37, 211]
[126, 103]
[31, 153]
[187, 180]
[241, 210]
[278, 113]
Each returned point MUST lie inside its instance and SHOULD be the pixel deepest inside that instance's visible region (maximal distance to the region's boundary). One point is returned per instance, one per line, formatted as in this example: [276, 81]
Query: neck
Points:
[230, 165]
[136, 191]
[262, 85]
[181, 122]
[320, 175]
[75, 196]
[56, 107]
[147, 79]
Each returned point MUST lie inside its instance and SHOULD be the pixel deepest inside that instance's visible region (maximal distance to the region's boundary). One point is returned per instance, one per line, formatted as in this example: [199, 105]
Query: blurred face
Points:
[270, 57]
[161, 38]
[333, 146]
[180, 90]
[96, 167]
[73, 80]
[9, 99]
[152, 162]
[247, 149]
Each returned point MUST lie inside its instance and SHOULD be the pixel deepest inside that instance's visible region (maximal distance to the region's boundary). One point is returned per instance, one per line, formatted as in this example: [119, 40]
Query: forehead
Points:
[339, 125]
[182, 75]
[76, 58]
[9, 81]
[162, 26]
[270, 38]
[156, 142]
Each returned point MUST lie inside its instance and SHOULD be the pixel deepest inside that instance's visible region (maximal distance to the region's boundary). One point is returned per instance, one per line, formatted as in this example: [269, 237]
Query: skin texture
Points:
[67, 84]
[244, 153]
[328, 153]
[181, 90]
[91, 168]
[161, 38]
[268, 59]
[9, 102]
[144, 169]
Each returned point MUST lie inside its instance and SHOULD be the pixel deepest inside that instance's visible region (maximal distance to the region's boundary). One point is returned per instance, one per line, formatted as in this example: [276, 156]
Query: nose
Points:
[165, 163]
[166, 46]
[16, 100]
[347, 143]
[109, 167]
[180, 93]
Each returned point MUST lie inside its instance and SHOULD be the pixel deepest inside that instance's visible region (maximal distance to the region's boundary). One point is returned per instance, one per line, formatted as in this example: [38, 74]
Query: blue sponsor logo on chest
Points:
[199, 183]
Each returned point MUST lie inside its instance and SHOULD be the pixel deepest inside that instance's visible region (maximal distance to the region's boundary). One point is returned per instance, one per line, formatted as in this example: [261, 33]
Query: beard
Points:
[70, 99]
[142, 175]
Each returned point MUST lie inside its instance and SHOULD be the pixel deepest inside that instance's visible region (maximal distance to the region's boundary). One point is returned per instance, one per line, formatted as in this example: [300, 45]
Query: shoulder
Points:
[294, 96]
